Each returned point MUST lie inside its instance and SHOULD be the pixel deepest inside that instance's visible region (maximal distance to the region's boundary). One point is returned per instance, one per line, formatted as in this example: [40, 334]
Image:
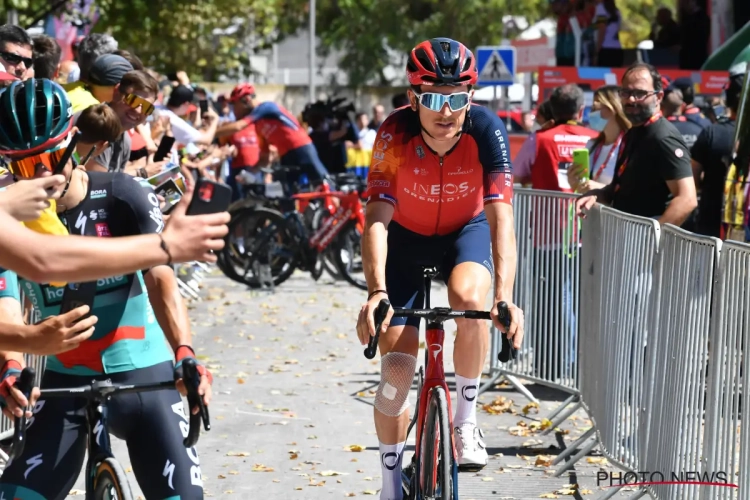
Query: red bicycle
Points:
[433, 471]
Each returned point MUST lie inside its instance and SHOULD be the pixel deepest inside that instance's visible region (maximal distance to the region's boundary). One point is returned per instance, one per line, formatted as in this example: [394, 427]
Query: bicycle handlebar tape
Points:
[507, 352]
[25, 384]
[380, 313]
[192, 380]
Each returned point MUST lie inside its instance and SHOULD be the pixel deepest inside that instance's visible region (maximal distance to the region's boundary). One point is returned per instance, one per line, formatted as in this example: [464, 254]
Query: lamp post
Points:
[312, 52]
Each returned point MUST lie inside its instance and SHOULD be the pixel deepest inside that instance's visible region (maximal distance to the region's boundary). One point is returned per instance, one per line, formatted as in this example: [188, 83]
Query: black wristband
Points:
[164, 247]
[376, 292]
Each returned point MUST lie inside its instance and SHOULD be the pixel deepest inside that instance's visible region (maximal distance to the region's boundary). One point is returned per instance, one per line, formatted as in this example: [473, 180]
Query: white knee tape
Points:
[397, 374]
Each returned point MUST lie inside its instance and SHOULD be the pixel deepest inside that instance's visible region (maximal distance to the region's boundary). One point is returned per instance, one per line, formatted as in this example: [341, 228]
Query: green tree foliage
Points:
[371, 34]
[638, 17]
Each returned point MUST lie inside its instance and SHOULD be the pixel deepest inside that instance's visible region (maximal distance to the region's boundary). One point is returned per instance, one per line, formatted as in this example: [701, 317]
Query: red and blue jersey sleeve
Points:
[387, 153]
[494, 155]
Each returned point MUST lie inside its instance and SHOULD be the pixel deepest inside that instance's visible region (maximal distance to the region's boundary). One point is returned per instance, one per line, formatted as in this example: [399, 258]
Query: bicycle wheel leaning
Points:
[110, 482]
[436, 467]
[328, 257]
[347, 253]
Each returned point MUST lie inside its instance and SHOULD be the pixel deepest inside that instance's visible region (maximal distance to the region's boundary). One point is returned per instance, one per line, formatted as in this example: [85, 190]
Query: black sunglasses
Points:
[15, 59]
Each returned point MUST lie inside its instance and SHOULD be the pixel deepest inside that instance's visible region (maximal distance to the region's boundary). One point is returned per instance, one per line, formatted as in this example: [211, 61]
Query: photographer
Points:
[332, 127]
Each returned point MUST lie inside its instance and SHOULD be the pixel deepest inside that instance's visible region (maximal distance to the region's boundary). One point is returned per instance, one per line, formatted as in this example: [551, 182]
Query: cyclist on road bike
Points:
[140, 316]
[440, 193]
[277, 127]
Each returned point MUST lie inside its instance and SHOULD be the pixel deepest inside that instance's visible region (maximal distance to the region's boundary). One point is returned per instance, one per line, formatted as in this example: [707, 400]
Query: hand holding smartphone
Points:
[209, 197]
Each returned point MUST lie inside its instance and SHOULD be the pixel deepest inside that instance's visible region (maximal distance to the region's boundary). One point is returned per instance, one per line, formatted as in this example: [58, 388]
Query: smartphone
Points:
[69, 150]
[165, 146]
[77, 295]
[169, 191]
[581, 158]
[204, 106]
[171, 172]
[209, 197]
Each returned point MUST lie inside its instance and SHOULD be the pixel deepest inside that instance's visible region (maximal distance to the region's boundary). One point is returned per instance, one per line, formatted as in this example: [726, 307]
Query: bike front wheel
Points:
[110, 482]
[436, 461]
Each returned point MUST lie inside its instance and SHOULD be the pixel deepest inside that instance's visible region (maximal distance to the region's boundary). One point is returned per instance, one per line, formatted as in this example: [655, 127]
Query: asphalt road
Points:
[292, 411]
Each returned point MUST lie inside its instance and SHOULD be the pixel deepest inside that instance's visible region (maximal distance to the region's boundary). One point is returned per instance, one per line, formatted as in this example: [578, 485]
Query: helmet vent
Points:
[424, 60]
[446, 46]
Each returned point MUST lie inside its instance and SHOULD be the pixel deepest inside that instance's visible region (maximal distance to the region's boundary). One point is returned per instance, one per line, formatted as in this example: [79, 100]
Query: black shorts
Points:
[151, 423]
[409, 252]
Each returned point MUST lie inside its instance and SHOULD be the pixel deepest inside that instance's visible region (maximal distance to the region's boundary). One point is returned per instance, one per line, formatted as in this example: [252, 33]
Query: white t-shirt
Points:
[367, 138]
[598, 157]
[611, 38]
[183, 132]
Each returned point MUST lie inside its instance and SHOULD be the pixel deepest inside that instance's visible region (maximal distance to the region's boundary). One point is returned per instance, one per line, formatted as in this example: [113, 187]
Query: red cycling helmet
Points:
[441, 61]
[242, 90]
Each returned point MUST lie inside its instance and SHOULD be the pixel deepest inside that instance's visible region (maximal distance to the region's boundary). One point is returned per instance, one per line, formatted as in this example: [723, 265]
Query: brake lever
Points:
[191, 378]
[25, 384]
[507, 352]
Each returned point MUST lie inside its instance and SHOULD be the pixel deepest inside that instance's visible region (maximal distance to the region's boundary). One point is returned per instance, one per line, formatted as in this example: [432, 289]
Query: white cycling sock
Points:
[390, 465]
[466, 397]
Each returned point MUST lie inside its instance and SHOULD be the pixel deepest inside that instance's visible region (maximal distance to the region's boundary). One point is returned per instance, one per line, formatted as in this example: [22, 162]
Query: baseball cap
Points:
[180, 95]
[108, 70]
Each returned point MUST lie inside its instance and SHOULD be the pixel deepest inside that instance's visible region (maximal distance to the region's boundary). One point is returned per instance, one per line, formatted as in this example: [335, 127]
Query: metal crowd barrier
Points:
[677, 358]
[725, 448]
[657, 358]
[547, 288]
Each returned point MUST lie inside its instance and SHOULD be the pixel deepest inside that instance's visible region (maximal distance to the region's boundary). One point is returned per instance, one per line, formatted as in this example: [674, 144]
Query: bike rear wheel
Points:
[436, 464]
[110, 482]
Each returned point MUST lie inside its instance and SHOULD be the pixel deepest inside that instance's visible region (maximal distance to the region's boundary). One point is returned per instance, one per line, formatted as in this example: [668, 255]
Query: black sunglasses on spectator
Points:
[15, 59]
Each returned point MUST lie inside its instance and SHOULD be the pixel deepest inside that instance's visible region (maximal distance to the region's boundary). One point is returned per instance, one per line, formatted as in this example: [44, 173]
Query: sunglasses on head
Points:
[135, 101]
[435, 102]
[16, 59]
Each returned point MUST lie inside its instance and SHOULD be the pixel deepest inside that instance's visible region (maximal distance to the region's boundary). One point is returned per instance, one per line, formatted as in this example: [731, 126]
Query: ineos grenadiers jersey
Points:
[433, 195]
[127, 336]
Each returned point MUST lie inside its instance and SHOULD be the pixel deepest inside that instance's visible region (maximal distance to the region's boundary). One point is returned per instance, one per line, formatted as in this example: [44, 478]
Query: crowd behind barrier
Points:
[643, 325]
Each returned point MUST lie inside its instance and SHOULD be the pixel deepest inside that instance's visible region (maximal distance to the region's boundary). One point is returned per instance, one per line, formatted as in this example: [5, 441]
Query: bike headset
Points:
[442, 62]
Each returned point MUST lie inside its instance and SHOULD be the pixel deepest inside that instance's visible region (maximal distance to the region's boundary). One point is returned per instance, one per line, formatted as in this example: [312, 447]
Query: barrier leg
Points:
[613, 491]
[496, 375]
[571, 463]
[573, 397]
[573, 446]
[562, 417]
[518, 386]
[187, 290]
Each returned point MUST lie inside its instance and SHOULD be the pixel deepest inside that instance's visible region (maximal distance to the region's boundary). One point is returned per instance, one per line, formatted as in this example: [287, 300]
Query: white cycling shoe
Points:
[471, 450]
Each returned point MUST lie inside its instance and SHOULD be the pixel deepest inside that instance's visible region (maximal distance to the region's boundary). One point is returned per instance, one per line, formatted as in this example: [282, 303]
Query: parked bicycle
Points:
[433, 471]
[105, 477]
[304, 238]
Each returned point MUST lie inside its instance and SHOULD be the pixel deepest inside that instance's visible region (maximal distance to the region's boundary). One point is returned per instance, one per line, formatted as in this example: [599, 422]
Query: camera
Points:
[334, 111]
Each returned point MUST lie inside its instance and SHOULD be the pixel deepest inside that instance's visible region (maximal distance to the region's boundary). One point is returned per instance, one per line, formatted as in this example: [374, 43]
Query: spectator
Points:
[689, 110]
[695, 32]
[134, 61]
[90, 48]
[47, 54]
[67, 73]
[177, 106]
[98, 125]
[671, 108]
[367, 135]
[525, 157]
[554, 146]
[527, 121]
[711, 156]
[16, 54]
[378, 115]
[607, 108]
[133, 103]
[653, 177]
[105, 74]
[666, 32]
[608, 21]
[400, 100]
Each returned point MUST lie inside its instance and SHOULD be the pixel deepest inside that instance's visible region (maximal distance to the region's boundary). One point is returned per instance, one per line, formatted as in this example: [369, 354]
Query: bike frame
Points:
[350, 209]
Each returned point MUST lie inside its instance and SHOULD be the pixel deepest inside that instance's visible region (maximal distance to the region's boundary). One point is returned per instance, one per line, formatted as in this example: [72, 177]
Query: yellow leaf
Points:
[487, 479]
[543, 461]
[531, 406]
[261, 468]
[548, 495]
[328, 473]
[238, 454]
[369, 492]
[355, 448]
[597, 460]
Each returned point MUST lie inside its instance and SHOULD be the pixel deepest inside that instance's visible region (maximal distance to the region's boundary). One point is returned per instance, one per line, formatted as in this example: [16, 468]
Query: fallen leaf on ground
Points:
[543, 461]
[238, 454]
[531, 406]
[355, 448]
[261, 468]
[328, 473]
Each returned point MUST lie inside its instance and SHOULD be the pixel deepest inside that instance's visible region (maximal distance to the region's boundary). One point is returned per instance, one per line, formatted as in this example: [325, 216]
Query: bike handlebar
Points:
[102, 389]
[441, 314]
